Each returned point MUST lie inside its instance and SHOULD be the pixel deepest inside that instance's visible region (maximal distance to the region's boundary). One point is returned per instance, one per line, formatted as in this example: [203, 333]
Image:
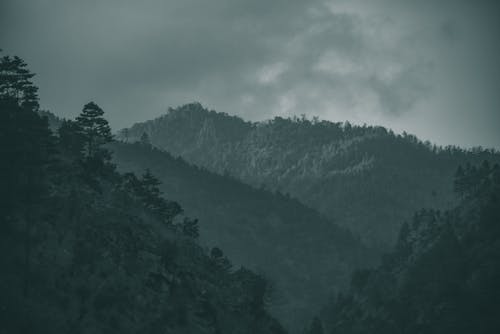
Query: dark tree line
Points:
[85, 249]
[443, 275]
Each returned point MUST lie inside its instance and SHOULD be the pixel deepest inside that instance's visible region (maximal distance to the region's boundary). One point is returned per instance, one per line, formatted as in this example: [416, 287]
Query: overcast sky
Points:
[430, 67]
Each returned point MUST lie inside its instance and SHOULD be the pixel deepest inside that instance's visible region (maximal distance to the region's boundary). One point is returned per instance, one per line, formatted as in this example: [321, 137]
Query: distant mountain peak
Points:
[354, 174]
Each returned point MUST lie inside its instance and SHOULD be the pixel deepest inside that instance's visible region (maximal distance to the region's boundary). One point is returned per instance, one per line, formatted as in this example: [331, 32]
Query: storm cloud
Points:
[427, 67]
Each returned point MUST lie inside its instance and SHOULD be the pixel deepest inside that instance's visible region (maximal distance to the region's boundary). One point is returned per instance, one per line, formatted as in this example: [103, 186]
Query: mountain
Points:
[365, 178]
[87, 253]
[305, 255]
[85, 249]
[443, 275]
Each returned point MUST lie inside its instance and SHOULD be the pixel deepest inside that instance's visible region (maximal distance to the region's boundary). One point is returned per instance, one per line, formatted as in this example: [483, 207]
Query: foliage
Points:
[16, 84]
[94, 128]
[26, 143]
[366, 178]
[442, 276]
[304, 254]
[147, 191]
[84, 249]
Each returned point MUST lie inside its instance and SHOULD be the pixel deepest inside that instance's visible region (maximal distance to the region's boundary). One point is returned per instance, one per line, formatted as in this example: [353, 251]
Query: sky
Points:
[427, 67]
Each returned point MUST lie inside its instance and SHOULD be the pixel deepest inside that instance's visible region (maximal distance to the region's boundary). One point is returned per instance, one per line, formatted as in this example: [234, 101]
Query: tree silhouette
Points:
[216, 253]
[94, 127]
[26, 142]
[145, 139]
[78, 260]
[16, 84]
[26, 147]
[146, 189]
[190, 227]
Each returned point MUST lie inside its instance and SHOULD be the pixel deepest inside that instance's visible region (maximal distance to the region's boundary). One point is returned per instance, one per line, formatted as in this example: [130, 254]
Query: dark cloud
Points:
[428, 67]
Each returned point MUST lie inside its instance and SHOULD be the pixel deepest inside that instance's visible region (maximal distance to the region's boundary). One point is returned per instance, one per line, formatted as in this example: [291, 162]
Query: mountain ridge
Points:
[306, 255]
[442, 276]
[356, 175]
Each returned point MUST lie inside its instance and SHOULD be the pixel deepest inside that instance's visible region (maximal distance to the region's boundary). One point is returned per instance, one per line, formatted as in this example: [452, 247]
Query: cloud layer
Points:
[427, 67]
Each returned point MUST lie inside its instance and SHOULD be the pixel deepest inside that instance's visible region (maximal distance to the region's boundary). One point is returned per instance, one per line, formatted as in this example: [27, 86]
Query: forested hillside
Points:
[201, 223]
[442, 277]
[85, 249]
[366, 178]
[306, 256]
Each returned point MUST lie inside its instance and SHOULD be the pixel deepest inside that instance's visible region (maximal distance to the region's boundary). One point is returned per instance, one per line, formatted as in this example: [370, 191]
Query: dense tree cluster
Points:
[16, 84]
[85, 249]
[89, 247]
[304, 254]
[442, 277]
[26, 143]
[366, 178]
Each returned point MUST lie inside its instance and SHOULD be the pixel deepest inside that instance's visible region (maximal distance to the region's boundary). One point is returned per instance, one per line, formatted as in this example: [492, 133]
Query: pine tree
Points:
[26, 147]
[190, 228]
[145, 139]
[95, 128]
[151, 182]
[147, 191]
[26, 142]
[216, 253]
[16, 84]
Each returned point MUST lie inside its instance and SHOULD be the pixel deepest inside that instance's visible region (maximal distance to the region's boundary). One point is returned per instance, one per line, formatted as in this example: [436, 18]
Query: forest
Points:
[201, 222]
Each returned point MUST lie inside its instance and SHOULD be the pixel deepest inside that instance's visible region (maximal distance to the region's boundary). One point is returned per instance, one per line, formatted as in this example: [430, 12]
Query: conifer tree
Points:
[16, 84]
[25, 139]
[26, 147]
[145, 139]
[151, 191]
[94, 127]
[146, 189]
[190, 228]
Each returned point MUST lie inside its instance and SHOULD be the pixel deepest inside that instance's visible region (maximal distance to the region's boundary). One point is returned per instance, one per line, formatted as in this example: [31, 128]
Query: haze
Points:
[427, 67]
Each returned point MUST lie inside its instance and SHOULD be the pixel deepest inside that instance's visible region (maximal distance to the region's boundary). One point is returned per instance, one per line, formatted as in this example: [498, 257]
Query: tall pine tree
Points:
[94, 127]
[16, 84]
[26, 142]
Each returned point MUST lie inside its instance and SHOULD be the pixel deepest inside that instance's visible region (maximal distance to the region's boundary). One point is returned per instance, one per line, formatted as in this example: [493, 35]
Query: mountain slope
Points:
[442, 277]
[82, 253]
[366, 178]
[303, 253]
[306, 255]
[85, 249]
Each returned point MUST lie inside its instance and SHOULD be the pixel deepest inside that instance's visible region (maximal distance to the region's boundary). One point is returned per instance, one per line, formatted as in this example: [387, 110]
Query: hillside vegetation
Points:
[85, 249]
[443, 275]
[365, 178]
[305, 255]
